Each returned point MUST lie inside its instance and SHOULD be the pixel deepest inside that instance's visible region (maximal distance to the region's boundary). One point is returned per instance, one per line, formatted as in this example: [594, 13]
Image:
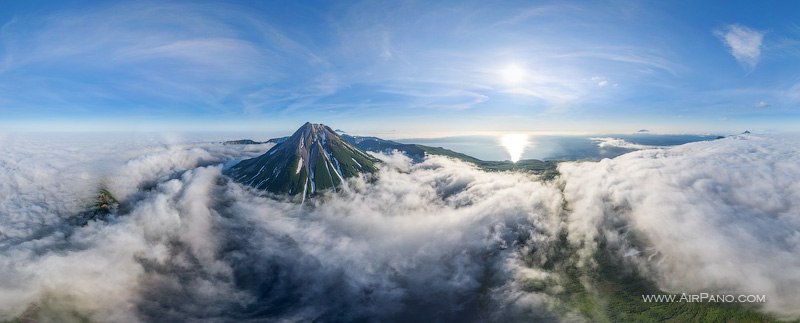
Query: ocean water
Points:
[556, 147]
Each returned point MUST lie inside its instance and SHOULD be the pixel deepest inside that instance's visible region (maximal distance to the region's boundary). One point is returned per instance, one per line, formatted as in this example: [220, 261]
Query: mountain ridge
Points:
[313, 159]
[418, 152]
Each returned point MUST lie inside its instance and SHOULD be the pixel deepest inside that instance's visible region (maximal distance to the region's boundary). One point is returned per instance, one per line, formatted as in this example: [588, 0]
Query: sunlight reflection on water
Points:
[515, 145]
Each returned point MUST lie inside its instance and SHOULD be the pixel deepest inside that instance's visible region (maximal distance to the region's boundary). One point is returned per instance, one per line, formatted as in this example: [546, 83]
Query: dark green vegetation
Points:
[313, 159]
[610, 291]
[621, 294]
[545, 168]
[618, 298]
[50, 309]
[104, 205]
[379, 145]
[418, 152]
[242, 142]
[606, 291]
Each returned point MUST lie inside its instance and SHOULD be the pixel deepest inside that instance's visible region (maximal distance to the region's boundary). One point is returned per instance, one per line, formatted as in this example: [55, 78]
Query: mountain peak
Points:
[313, 159]
[312, 131]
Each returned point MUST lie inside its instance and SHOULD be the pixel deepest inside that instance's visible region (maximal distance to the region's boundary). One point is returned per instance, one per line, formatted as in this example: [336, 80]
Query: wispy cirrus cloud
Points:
[150, 56]
[743, 42]
[246, 61]
[640, 58]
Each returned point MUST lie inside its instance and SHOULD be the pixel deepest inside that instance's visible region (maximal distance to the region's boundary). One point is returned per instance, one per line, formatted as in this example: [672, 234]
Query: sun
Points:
[515, 145]
[513, 74]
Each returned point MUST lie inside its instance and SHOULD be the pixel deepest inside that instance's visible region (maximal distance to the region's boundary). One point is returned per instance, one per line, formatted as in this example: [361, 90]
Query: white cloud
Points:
[714, 216]
[609, 142]
[743, 42]
[762, 104]
[430, 233]
[643, 60]
[97, 268]
[600, 81]
[143, 52]
[435, 237]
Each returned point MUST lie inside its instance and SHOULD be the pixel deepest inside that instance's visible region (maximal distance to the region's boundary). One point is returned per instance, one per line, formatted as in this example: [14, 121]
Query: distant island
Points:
[253, 142]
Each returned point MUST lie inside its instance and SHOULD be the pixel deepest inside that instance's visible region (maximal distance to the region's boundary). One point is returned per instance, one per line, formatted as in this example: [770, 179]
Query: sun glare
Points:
[513, 74]
[515, 145]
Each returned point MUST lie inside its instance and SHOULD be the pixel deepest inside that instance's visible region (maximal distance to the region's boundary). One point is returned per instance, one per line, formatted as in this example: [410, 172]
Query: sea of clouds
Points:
[610, 142]
[720, 215]
[434, 241]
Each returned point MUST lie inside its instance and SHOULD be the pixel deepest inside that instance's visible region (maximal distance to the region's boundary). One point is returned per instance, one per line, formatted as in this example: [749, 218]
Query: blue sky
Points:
[401, 68]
